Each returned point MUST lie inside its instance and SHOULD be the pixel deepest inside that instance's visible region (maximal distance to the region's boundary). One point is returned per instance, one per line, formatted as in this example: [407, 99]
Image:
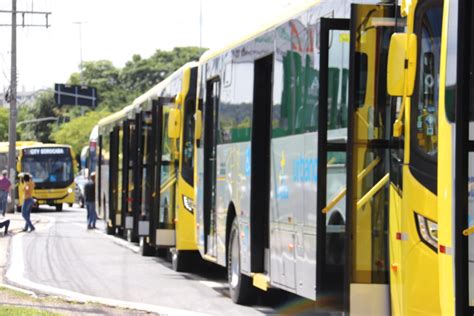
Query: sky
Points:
[117, 29]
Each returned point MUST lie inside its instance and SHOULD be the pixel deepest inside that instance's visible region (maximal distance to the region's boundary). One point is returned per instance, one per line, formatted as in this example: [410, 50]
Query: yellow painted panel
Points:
[395, 251]
[261, 281]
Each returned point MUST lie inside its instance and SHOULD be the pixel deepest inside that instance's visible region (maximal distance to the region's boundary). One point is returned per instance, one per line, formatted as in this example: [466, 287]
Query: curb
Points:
[17, 289]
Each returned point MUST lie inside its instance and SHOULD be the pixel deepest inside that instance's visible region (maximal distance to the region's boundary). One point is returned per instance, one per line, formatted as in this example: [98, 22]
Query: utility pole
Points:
[12, 95]
[12, 124]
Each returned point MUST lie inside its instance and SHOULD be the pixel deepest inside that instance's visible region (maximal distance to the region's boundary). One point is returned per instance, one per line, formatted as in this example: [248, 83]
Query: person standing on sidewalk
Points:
[5, 185]
[89, 197]
[28, 202]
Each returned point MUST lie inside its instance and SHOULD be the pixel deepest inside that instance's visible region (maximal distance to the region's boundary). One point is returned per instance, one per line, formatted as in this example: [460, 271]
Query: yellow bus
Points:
[305, 179]
[52, 169]
[437, 120]
[418, 198]
[4, 147]
[146, 172]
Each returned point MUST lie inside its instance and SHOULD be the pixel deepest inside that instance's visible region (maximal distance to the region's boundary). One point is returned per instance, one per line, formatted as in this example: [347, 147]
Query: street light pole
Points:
[12, 124]
[80, 49]
[200, 23]
[80, 56]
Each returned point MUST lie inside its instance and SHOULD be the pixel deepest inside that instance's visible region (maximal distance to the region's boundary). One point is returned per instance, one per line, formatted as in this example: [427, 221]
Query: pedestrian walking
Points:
[28, 201]
[5, 185]
[89, 197]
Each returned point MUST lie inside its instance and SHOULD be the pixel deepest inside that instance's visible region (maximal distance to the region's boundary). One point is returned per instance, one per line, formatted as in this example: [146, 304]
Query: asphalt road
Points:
[66, 255]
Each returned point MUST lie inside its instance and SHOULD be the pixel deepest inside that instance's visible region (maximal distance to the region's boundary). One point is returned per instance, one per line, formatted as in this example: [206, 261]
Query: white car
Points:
[80, 181]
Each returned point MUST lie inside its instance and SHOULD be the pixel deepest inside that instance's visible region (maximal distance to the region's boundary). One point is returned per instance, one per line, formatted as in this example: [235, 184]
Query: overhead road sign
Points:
[75, 95]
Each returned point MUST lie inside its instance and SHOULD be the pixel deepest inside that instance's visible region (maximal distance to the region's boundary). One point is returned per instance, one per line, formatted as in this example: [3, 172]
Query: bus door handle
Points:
[468, 231]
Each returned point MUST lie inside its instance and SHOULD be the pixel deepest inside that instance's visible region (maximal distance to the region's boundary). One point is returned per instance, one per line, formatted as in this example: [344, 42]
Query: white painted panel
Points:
[143, 228]
[165, 237]
[369, 300]
[129, 222]
[118, 219]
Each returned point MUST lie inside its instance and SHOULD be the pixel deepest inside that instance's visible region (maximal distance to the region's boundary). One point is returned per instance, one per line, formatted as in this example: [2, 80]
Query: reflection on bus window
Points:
[428, 82]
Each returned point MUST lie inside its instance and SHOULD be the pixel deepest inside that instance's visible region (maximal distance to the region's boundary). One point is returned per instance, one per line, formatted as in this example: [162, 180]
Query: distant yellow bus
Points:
[52, 169]
[4, 146]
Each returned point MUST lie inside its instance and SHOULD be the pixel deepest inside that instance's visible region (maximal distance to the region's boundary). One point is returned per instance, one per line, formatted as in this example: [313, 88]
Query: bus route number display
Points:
[45, 151]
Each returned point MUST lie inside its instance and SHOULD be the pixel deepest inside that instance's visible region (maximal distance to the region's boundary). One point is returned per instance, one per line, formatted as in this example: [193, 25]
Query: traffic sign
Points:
[75, 95]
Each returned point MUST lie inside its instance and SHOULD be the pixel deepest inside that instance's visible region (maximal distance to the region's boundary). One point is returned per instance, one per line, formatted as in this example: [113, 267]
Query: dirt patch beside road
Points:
[59, 306]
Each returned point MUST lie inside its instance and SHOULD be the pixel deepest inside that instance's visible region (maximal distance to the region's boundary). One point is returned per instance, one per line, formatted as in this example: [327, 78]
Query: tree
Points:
[140, 75]
[44, 106]
[116, 88]
[104, 76]
[76, 132]
[4, 117]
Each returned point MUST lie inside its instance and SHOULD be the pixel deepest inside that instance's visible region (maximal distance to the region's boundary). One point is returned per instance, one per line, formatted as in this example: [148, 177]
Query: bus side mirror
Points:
[174, 123]
[179, 99]
[198, 126]
[401, 56]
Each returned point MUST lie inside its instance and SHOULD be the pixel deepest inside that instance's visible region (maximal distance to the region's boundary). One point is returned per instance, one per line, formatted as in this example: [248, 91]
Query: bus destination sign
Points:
[45, 151]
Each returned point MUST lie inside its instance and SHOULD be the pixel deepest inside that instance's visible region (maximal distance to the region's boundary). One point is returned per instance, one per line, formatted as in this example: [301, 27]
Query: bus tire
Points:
[180, 261]
[240, 286]
[110, 230]
[146, 249]
[59, 207]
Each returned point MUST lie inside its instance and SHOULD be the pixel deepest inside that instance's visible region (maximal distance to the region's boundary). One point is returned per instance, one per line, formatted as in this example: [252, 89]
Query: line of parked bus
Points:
[312, 156]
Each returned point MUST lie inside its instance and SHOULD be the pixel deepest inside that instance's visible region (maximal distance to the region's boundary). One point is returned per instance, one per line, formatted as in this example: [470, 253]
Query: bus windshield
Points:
[49, 169]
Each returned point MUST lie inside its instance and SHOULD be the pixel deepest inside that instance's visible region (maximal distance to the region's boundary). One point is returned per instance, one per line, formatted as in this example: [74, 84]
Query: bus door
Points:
[210, 155]
[113, 175]
[332, 146]
[114, 214]
[147, 180]
[166, 180]
[149, 223]
[354, 141]
[370, 154]
[137, 157]
[99, 175]
[460, 108]
[127, 133]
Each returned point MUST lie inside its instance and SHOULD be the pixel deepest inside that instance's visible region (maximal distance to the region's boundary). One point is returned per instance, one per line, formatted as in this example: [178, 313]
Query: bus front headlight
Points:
[188, 203]
[69, 190]
[428, 231]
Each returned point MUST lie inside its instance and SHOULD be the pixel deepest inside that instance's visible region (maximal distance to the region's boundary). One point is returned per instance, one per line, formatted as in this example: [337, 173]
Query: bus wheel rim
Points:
[235, 262]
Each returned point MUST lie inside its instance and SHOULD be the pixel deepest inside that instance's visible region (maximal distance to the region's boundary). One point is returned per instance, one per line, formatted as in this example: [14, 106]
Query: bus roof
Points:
[42, 145]
[141, 101]
[4, 146]
[157, 90]
[296, 10]
[117, 117]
